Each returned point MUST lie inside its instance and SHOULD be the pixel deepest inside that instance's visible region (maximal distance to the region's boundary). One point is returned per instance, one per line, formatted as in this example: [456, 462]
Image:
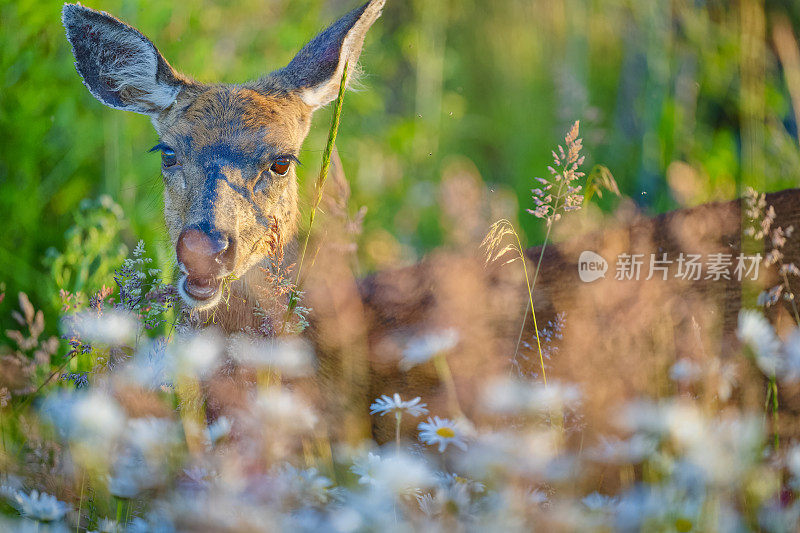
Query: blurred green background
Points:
[683, 100]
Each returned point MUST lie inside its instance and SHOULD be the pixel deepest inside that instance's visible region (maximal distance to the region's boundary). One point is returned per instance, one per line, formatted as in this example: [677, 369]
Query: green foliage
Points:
[143, 291]
[92, 249]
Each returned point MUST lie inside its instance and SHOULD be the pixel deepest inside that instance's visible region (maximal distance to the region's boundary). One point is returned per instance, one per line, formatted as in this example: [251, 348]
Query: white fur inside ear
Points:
[135, 71]
[324, 93]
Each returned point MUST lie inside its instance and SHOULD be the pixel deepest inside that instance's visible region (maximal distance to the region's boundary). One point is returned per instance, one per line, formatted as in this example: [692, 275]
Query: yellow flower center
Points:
[446, 432]
[683, 524]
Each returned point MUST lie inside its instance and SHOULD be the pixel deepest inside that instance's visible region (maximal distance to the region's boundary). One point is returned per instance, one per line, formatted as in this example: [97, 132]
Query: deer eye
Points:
[168, 158]
[281, 166]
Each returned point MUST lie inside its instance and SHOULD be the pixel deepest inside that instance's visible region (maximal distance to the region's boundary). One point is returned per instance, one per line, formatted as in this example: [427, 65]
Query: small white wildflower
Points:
[512, 397]
[642, 416]
[8, 492]
[115, 328]
[421, 349]
[364, 468]
[123, 487]
[307, 486]
[40, 506]
[755, 331]
[427, 505]
[685, 371]
[401, 475]
[599, 502]
[630, 451]
[686, 424]
[132, 473]
[793, 464]
[197, 479]
[151, 366]
[451, 499]
[97, 416]
[441, 431]
[515, 453]
[106, 525]
[727, 449]
[537, 497]
[280, 409]
[791, 357]
[151, 435]
[218, 430]
[395, 404]
[196, 354]
[292, 357]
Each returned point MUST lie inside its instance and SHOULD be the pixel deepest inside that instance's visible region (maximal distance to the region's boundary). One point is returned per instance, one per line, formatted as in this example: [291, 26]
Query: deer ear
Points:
[119, 65]
[316, 71]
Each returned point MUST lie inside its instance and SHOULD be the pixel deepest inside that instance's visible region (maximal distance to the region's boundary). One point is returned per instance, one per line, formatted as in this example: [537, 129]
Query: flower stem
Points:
[323, 172]
[398, 417]
[446, 376]
[529, 305]
[80, 502]
[773, 391]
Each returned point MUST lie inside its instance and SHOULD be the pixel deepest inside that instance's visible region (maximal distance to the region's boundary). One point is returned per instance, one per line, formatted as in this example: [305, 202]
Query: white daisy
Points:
[218, 430]
[421, 349]
[441, 431]
[755, 331]
[401, 475]
[114, 328]
[40, 506]
[599, 502]
[365, 467]
[395, 404]
[291, 357]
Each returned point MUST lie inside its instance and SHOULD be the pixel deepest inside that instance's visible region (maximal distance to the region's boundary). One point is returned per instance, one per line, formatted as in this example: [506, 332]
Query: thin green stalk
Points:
[529, 305]
[80, 502]
[446, 377]
[773, 391]
[318, 187]
[398, 416]
[323, 172]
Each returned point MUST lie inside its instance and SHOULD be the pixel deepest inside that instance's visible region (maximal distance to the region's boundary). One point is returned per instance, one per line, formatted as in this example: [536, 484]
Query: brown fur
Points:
[621, 337]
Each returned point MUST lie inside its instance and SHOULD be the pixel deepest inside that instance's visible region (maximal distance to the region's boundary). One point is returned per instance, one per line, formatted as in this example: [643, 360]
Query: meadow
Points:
[479, 129]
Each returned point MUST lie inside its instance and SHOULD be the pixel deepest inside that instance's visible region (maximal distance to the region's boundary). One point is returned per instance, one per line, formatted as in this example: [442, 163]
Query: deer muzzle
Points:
[205, 255]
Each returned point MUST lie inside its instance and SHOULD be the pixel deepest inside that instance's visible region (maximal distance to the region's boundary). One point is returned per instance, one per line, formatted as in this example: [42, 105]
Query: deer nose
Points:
[206, 252]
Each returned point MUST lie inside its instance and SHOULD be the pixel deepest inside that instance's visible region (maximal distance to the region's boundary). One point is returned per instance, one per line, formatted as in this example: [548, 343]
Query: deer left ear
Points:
[316, 71]
[119, 65]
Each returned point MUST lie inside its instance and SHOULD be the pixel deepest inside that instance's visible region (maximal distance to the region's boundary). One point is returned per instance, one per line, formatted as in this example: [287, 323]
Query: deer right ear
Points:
[119, 65]
[316, 71]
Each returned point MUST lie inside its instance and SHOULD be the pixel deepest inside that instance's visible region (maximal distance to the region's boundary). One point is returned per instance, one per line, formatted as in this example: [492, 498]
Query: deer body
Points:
[621, 336]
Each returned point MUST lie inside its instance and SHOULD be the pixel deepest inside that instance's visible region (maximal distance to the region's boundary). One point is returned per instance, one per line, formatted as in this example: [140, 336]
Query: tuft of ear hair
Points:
[316, 70]
[119, 65]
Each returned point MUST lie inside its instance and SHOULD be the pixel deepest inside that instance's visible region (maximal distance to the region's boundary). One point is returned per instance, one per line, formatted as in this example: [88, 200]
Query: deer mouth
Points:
[200, 292]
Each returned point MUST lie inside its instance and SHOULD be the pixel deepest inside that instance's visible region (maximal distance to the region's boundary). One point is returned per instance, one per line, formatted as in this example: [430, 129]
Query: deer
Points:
[228, 152]
[228, 157]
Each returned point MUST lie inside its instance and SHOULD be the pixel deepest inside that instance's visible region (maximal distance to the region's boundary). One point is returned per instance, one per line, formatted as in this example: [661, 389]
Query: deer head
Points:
[228, 152]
